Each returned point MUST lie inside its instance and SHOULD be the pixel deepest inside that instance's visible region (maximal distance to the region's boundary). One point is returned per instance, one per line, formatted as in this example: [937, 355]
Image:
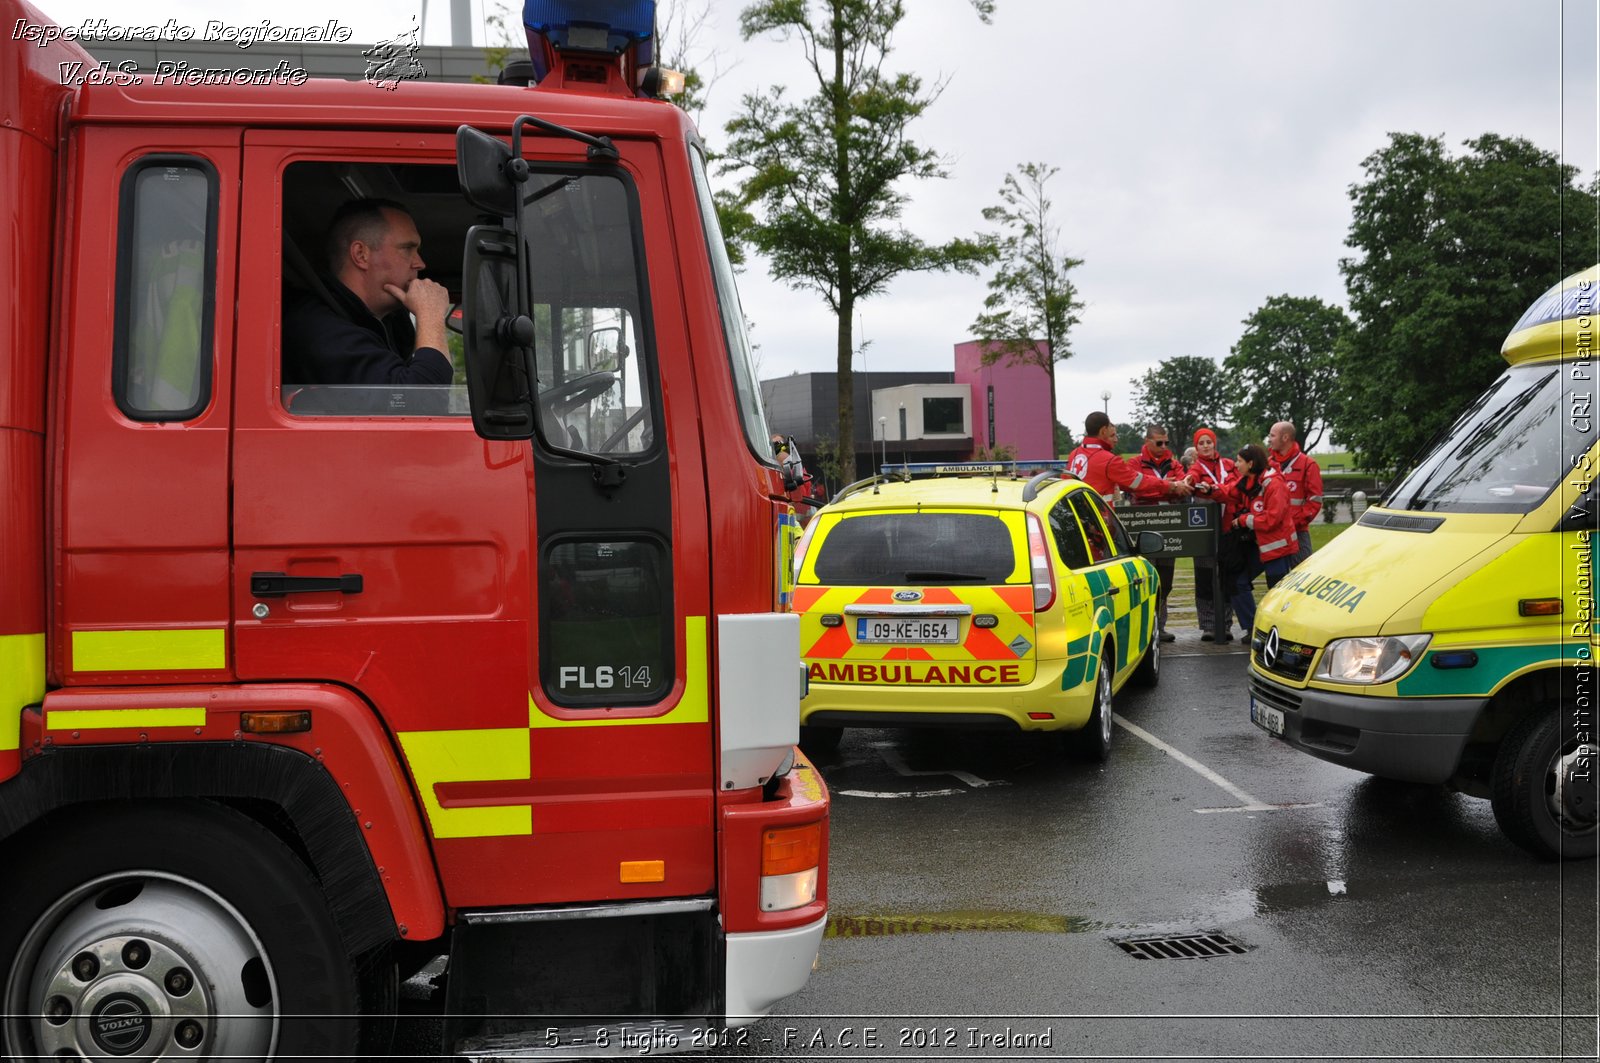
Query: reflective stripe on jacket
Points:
[1303, 479]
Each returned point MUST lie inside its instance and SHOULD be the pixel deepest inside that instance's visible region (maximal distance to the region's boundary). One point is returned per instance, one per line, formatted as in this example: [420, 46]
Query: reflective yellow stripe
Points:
[168, 650]
[693, 707]
[21, 683]
[488, 755]
[105, 719]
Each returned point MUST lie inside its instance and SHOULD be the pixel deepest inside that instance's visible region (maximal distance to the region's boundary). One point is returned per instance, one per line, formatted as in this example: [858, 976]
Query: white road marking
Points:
[1248, 802]
[894, 760]
[909, 793]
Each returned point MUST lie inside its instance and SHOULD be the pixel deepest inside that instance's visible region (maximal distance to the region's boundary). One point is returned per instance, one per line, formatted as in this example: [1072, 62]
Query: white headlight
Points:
[1378, 659]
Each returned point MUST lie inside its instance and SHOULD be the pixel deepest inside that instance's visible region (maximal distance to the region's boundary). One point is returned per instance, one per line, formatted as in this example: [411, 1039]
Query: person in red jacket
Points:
[1303, 478]
[1209, 471]
[1156, 460]
[1262, 502]
[1097, 463]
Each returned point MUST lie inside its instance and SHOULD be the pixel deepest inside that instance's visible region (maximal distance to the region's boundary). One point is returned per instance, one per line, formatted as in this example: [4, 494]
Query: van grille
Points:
[1293, 659]
[1274, 695]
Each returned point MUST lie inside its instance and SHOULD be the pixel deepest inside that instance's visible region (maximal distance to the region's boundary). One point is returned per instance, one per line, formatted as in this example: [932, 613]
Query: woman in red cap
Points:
[1262, 503]
[1209, 471]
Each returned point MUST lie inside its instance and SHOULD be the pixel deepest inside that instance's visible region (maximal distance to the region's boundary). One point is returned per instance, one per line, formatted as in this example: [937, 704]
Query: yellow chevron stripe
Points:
[107, 719]
[155, 650]
[484, 755]
[21, 683]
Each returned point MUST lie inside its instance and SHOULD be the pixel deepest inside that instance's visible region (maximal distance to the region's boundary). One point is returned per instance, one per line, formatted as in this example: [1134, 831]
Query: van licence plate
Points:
[921, 630]
[1266, 717]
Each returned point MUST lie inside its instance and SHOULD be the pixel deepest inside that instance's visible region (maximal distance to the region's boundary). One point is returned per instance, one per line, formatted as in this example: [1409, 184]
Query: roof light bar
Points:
[591, 25]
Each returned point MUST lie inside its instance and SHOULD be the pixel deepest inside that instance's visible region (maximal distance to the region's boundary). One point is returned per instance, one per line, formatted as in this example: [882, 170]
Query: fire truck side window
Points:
[166, 270]
[607, 623]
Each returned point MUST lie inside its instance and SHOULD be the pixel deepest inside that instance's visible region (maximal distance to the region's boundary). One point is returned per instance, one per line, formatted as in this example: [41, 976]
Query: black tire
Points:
[1093, 741]
[1148, 674]
[1526, 797]
[820, 741]
[197, 889]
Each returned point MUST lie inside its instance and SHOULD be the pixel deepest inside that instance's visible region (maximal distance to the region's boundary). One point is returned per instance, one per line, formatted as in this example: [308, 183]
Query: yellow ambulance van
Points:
[1448, 637]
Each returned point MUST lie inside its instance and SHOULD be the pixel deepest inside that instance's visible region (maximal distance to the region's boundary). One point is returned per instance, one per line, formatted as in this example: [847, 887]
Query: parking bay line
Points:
[1250, 803]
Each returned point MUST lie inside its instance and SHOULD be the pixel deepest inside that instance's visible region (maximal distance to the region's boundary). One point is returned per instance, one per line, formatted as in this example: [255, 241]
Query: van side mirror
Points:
[497, 339]
[1150, 542]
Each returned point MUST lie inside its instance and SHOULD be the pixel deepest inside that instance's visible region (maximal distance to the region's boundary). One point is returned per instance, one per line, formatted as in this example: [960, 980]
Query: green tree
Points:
[820, 180]
[1064, 441]
[1032, 304]
[1180, 394]
[1282, 367]
[1449, 252]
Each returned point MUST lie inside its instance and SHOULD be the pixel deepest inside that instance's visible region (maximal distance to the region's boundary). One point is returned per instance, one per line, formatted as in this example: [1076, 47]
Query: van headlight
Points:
[1379, 659]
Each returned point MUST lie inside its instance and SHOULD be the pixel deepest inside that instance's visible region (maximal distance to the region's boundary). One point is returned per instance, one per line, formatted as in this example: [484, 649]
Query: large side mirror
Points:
[1149, 542]
[481, 162]
[496, 337]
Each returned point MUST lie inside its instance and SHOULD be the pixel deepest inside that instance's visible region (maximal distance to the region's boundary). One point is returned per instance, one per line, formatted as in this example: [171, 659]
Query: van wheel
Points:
[1538, 800]
[1093, 742]
[1148, 674]
[820, 741]
[173, 931]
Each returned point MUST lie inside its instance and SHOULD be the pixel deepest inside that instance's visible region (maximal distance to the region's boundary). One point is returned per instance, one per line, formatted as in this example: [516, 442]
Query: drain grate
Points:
[1189, 947]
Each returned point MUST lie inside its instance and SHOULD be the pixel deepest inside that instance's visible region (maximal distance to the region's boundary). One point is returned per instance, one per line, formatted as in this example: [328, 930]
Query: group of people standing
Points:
[1269, 497]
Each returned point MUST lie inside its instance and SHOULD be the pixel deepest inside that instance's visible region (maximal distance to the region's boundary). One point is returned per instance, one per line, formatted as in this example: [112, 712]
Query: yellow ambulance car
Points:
[973, 596]
[1448, 636]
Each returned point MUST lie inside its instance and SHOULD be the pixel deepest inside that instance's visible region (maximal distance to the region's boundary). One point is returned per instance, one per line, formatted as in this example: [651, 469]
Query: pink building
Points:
[1010, 403]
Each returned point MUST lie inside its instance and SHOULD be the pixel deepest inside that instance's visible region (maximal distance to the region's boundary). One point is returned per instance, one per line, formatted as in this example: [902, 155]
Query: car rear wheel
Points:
[1148, 674]
[1542, 791]
[819, 741]
[1093, 742]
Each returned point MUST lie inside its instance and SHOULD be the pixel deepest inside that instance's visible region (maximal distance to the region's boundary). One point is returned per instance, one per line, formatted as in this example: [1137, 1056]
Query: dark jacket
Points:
[322, 345]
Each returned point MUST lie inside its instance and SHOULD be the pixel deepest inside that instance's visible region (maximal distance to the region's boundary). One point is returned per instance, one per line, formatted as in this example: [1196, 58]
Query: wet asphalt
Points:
[982, 886]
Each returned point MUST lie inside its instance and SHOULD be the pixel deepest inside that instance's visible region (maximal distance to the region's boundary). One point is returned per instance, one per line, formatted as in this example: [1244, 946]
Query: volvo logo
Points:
[121, 1025]
[1269, 649]
[908, 596]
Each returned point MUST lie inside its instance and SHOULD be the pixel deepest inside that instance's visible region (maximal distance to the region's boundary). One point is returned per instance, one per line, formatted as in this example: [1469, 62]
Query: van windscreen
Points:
[924, 548]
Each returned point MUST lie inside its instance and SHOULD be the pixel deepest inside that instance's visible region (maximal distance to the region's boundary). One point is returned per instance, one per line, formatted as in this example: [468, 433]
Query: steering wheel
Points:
[571, 394]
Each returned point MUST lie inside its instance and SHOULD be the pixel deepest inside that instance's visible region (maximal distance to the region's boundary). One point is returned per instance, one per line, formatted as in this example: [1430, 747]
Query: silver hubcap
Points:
[143, 966]
[1105, 703]
[1563, 803]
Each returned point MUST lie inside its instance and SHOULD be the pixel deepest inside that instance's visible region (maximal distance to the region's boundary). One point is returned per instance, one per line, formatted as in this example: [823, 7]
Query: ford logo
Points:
[908, 596]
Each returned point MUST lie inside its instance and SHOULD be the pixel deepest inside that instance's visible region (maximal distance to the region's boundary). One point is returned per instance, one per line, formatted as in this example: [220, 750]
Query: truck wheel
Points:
[1537, 802]
[1093, 742]
[178, 930]
[1148, 674]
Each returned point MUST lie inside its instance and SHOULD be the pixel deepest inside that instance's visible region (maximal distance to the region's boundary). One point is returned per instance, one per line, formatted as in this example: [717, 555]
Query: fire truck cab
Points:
[306, 684]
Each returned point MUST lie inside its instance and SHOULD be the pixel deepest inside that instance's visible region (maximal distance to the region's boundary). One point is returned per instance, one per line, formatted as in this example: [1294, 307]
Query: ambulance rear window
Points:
[925, 548]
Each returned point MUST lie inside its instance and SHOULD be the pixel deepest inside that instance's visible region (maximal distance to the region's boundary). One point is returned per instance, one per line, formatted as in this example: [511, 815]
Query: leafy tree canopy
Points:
[821, 192]
[1449, 251]
[1282, 367]
[1180, 394]
[1032, 304]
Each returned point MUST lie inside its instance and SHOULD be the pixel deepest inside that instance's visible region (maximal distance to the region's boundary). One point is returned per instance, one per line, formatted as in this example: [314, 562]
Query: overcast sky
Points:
[1205, 147]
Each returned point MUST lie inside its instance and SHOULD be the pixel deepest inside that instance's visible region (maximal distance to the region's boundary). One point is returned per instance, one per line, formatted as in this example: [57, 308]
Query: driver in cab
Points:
[366, 336]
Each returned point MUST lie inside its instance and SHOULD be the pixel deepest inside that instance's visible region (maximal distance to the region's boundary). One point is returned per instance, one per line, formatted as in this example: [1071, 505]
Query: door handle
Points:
[1113, 590]
[277, 584]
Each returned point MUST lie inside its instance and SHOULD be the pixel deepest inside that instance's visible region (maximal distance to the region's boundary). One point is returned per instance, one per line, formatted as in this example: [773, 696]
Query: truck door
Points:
[535, 641]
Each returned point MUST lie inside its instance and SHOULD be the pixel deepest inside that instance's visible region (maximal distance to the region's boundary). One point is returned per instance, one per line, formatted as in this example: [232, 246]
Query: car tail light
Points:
[790, 859]
[1044, 573]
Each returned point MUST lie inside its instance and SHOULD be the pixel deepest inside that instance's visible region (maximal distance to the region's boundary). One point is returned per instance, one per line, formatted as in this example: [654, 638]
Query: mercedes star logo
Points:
[1269, 649]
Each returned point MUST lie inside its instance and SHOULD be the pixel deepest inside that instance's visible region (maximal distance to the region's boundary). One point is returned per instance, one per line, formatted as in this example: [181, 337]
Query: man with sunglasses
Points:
[1155, 461]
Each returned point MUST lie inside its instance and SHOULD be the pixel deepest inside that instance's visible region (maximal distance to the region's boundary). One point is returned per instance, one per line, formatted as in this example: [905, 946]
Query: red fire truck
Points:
[306, 685]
